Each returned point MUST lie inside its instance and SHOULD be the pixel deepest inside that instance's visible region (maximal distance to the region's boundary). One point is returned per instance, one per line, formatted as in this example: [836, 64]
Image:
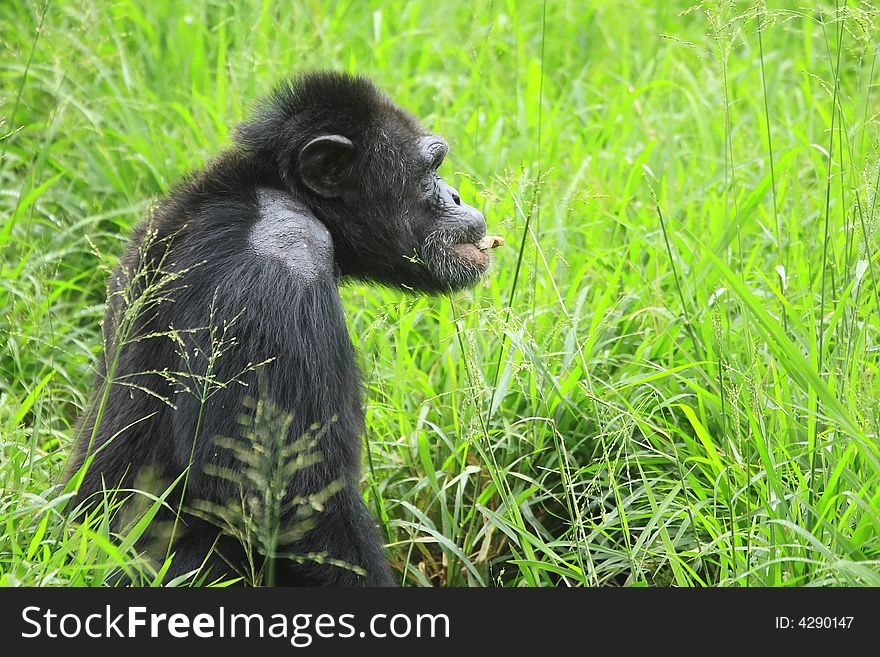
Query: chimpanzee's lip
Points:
[477, 252]
[484, 243]
[472, 253]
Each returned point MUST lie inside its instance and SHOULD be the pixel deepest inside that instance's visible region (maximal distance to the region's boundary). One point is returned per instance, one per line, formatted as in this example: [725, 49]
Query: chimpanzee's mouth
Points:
[471, 253]
[478, 252]
[459, 259]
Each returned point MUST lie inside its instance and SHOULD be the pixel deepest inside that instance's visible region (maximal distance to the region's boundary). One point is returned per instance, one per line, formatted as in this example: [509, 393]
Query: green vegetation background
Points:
[680, 386]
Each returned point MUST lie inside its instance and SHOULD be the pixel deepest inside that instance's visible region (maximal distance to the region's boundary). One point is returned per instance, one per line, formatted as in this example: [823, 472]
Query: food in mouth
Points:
[490, 242]
[477, 252]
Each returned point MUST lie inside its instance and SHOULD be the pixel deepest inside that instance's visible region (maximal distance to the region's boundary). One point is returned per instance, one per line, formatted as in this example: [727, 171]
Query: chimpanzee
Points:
[229, 293]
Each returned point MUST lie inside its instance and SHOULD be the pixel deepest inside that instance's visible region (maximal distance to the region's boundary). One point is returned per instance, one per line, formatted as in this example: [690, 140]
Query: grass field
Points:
[671, 376]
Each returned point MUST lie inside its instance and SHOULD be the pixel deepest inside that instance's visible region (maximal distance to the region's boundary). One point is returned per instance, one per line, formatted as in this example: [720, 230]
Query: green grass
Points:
[678, 383]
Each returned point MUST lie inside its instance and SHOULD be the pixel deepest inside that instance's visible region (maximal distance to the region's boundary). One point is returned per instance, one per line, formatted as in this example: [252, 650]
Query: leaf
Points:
[30, 399]
[792, 360]
[861, 268]
[704, 437]
[38, 537]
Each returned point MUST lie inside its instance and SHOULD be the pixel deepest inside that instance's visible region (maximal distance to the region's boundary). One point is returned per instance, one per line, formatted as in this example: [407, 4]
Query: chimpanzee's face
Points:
[451, 234]
[392, 217]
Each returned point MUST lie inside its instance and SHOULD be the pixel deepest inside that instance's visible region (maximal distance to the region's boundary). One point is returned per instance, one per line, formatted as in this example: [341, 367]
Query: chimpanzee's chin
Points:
[466, 277]
[453, 267]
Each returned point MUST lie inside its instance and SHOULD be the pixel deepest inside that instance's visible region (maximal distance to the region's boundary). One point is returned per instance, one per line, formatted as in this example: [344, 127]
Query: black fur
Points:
[218, 269]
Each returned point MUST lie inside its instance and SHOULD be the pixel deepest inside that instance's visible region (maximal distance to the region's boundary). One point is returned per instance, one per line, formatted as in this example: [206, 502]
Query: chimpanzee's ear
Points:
[325, 165]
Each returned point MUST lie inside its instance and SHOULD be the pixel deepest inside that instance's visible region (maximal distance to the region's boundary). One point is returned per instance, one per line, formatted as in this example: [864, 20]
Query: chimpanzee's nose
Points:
[472, 218]
[450, 194]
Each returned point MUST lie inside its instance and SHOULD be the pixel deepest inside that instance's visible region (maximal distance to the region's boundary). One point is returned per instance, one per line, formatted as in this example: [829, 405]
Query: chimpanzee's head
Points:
[369, 171]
